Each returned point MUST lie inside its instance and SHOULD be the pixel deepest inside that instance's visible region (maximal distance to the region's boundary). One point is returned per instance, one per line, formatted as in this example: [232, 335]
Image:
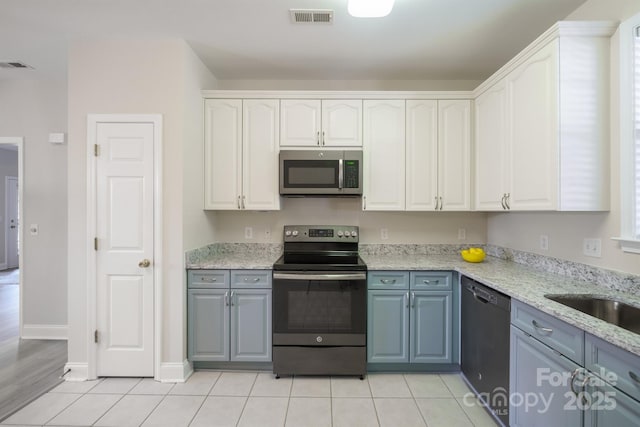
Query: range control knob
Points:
[294, 233]
[354, 234]
[319, 339]
[287, 233]
[347, 233]
[340, 233]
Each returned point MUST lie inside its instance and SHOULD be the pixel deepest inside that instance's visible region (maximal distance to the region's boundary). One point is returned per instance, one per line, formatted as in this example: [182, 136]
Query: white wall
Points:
[139, 77]
[403, 227]
[391, 85]
[32, 109]
[566, 231]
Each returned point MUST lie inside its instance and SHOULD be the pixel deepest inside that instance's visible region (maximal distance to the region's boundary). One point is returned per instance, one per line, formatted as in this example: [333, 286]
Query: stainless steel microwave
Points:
[320, 173]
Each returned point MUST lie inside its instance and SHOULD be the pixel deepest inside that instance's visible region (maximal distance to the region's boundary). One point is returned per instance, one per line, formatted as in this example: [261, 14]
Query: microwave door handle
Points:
[340, 175]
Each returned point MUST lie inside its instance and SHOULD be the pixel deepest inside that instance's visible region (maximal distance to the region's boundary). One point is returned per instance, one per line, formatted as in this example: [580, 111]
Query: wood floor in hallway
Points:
[28, 368]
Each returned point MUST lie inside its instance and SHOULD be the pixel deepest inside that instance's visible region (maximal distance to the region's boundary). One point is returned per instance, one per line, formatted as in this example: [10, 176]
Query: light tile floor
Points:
[213, 398]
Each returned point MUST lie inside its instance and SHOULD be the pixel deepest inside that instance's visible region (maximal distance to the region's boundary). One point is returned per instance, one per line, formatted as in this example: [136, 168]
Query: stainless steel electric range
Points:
[320, 303]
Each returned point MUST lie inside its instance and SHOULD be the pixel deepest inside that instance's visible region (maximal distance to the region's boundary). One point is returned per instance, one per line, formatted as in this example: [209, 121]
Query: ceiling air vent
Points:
[14, 65]
[311, 16]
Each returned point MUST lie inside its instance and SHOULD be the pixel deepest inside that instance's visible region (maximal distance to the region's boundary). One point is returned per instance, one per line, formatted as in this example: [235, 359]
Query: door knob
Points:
[144, 263]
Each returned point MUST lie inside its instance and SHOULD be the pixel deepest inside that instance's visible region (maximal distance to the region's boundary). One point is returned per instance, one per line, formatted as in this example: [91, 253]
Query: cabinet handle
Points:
[226, 298]
[323, 138]
[506, 201]
[504, 195]
[255, 279]
[428, 282]
[413, 299]
[243, 200]
[209, 279]
[364, 203]
[318, 137]
[239, 203]
[406, 299]
[388, 281]
[231, 297]
[541, 328]
[436, 199]
[440, 203]
[634, 377]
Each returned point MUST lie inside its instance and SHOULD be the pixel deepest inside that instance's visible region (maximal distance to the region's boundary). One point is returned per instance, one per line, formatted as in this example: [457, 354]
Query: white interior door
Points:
[125, 248]
[13, 220]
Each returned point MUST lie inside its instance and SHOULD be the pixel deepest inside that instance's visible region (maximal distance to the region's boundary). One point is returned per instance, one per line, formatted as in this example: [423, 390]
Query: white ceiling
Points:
[255, 39]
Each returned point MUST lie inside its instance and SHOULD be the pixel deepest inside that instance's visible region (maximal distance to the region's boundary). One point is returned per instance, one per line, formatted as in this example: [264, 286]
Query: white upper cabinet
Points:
[542, 125]
[241, 154]
[321, 123]
[422, 155]
[260, 135]
[454, 155]
[222, 153]
[491, 151]
[384, 155]
[438, 155]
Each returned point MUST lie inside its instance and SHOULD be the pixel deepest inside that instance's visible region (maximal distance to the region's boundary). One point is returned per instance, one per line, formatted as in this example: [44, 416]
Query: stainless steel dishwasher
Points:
[485, 318]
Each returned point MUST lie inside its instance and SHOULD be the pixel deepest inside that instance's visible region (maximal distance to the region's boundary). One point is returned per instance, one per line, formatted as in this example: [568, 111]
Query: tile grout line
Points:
[414, 399]
[110, 407]
[246, 399]
[152, 411]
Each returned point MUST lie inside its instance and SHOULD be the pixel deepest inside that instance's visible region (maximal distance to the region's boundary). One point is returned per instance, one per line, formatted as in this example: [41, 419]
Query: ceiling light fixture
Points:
[369, 8]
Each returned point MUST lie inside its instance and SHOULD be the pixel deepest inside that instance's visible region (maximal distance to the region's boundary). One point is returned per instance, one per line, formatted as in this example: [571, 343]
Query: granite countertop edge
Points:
[521, 282]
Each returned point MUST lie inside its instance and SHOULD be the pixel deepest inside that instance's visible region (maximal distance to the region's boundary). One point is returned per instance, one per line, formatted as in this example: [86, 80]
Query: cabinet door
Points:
[388, 327]
[422, 155]
[260, 190]
[384, 155]
[491, 148]
[300, 122]
[430, 326]
[208, 325]
[251, 325]
[535, 371]
[607, 407]
[532, 108]
[454, 155]
[341, 123]
[222, 153]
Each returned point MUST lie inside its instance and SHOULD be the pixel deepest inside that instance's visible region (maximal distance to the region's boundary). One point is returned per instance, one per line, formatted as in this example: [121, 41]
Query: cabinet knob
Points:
[144, 263]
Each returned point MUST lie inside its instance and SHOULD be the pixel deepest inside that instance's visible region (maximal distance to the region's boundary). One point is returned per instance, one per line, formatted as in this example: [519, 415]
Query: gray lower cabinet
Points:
[229, 315]
[410, 317]
[539, 384]
[560, 375]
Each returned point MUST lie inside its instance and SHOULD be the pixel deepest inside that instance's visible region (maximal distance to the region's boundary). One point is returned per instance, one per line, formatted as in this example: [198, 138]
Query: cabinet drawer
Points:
[562, 337]
[388, 280]
[250, 279]
[431, 280]
[615, 365]
[207, 279]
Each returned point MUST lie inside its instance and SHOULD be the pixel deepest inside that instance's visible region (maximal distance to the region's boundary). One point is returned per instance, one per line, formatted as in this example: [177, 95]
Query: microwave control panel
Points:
[351, 174]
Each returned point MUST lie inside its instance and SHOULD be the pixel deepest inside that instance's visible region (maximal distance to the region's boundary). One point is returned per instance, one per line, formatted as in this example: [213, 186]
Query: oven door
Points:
[319, 308]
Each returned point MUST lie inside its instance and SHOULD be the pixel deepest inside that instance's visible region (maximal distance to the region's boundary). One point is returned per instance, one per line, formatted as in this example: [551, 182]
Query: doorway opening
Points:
[10, 236]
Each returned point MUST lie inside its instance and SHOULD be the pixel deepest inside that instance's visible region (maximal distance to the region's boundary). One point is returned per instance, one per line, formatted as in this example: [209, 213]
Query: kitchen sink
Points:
[608, 309]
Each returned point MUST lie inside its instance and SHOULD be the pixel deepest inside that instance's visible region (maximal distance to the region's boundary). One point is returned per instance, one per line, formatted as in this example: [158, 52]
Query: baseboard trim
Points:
[3, 266]
[77, 372]
[45, 332]
[174, 372]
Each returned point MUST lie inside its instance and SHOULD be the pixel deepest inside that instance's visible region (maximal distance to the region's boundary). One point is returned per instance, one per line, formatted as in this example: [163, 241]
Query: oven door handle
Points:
[303, 276]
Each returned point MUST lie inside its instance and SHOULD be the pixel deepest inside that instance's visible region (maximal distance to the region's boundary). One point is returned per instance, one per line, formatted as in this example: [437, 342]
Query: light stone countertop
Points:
[525, 284]
[518, 280]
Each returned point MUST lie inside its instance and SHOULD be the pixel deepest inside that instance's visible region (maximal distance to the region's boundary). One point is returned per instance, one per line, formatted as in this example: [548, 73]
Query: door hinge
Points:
[96, 150]
[95, 336]
[95, 243]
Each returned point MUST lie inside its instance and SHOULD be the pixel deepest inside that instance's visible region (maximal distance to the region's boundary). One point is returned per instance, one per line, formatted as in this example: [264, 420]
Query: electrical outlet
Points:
[544, 242]
[248, 232]
[384, 233]
[592, 247]
[462, 234]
